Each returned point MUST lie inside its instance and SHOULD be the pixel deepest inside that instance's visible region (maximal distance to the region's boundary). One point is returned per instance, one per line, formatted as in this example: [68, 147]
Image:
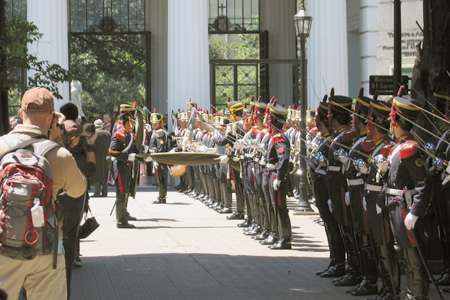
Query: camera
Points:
[90, 129]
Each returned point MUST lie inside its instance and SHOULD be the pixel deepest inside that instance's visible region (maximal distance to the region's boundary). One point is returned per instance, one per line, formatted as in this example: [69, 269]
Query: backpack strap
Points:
[40, 144]
[43, 146]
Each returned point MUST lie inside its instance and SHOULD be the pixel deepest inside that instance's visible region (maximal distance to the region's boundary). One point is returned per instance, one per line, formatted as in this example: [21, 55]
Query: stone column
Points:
[327, 49]
[50, 16]
[188, 54]
[368, 31]
[277, 17]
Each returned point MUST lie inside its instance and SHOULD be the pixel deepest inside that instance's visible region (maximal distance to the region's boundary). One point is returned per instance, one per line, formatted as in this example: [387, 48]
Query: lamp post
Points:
[303, 27]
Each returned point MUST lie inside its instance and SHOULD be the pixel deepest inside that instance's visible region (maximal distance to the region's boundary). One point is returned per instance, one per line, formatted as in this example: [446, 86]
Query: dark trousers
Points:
[161, 177]
[72, 210]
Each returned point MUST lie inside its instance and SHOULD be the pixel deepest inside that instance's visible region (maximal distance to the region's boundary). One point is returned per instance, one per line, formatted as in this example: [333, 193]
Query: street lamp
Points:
[303, 27]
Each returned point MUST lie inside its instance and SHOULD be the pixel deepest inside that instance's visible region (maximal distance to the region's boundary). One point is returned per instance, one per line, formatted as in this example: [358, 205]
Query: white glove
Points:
[330, 206]
[383, 167]
[364, 204]
[347, 198]
[410, 221]
[131, 156]
[379, 210]
[276, 184]
[343, 159]
[148, 159]
[224, 159]
[155, 165]
[145, 148]
[364, 169]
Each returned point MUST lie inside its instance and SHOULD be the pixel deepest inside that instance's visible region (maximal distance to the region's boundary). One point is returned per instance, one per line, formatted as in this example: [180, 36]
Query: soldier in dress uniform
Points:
[123, 149]
[277, 159]
[320, 147]
[159, 144]
[234, 131]
[355, 199]
[379, 144]
[406, 194]
[260, 145]
[223, 171]
[441, 205]
[339, 119]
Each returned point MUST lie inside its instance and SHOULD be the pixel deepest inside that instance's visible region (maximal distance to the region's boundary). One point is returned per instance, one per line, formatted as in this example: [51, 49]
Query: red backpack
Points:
[28, 222]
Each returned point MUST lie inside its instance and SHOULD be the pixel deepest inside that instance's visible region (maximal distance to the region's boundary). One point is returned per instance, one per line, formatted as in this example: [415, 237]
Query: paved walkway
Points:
[184, 250]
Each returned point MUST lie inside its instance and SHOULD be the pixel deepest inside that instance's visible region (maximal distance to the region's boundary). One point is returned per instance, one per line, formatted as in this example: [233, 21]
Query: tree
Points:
[111, 69]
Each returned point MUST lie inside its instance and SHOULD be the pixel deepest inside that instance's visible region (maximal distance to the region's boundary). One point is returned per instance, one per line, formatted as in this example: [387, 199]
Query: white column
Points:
[50, 16]
[188, 54]
[327, 49]
[368, 40]
[277, 17]
[157, 25]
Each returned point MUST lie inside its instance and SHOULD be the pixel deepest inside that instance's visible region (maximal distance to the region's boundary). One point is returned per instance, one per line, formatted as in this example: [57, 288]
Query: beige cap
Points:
[38, 99]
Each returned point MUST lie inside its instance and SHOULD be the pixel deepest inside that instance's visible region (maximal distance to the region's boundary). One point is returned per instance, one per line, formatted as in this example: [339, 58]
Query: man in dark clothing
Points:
[100, 177]
[123, 149]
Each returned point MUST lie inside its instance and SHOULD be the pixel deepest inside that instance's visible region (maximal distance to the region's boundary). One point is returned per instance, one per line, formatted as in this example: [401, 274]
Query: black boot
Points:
[349, 279]
[245, 224]
[225, 210]
[236, 216]
[256, 229]
[262, 235]
[365, 288]
[337, 270]
[282, 243]
[326, 269]
[270, 240]
[124, 224]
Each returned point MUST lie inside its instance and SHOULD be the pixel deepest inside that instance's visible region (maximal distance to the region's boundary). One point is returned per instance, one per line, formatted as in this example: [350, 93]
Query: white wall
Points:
[412, 11]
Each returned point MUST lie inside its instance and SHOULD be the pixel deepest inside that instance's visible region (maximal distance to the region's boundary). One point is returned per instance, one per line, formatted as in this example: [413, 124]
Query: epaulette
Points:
[315, 131]
[387, 147]
[119, 135]
[367, 145]
[350, 135]
[277, 138]
[408, 148]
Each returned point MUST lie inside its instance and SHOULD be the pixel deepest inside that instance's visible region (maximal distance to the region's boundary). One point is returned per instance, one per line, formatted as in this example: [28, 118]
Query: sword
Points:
[383, 232]
[422, 259]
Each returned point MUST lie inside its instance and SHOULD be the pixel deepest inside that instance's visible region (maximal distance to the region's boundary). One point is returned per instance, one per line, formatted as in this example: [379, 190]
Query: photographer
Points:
[79, 141]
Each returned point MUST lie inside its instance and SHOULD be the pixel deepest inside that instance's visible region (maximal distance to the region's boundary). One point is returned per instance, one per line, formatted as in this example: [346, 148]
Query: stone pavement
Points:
[184, 250]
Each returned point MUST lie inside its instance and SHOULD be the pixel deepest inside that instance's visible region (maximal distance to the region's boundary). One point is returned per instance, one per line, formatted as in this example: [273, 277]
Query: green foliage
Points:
[111, 69]
[246, 47]
[19, 33]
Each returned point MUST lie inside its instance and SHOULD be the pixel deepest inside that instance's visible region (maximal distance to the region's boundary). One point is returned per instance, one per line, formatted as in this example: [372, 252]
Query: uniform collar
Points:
[403, 138]
[380, 140]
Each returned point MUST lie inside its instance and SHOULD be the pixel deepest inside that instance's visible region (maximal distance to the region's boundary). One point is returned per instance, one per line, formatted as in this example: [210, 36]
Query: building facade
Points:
[349, 41]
